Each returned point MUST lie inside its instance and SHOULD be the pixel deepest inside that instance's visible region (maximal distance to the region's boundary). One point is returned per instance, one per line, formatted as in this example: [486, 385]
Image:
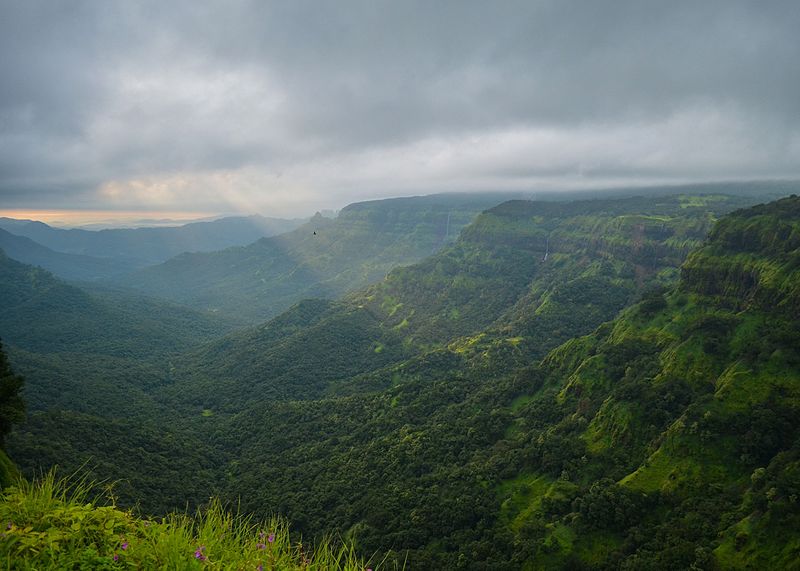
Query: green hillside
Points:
[490, 300]
[91, 353]
[675, 424]
[491, 408]
[665, 439]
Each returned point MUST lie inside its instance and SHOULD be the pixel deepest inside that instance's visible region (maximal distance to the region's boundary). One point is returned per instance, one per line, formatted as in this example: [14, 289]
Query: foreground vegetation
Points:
[53, 524]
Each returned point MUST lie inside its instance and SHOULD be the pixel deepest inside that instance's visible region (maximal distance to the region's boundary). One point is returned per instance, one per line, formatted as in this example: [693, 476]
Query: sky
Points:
[285, 108]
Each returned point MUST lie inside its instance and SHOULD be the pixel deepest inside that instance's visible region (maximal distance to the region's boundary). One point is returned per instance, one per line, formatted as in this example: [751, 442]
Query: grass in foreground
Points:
[55, 524]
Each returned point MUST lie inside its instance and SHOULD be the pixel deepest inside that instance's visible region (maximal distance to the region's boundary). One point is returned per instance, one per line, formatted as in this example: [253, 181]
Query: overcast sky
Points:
[286, 108]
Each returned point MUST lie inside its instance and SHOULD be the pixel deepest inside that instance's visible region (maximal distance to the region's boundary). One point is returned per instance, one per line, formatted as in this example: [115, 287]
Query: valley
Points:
[525, 394]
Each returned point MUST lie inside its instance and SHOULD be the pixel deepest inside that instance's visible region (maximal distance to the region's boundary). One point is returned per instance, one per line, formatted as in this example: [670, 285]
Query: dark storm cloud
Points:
[250, 103]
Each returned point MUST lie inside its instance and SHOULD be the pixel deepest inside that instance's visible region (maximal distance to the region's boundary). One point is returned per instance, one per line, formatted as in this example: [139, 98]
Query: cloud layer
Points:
[288, 107]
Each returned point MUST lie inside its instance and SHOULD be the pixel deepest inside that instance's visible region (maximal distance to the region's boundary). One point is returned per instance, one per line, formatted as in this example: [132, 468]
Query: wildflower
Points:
[198, 554]
[116, 557]
[124, 545]
[261, 545]
[262, 534]
[260, 567]
[271, 537]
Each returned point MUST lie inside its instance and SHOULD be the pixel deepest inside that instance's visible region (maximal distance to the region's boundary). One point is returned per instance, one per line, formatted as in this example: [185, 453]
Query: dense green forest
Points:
[605, 383]
[12, 411]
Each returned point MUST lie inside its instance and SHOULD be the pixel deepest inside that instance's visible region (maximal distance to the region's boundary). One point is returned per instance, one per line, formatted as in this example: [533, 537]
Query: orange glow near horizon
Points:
[110, 217]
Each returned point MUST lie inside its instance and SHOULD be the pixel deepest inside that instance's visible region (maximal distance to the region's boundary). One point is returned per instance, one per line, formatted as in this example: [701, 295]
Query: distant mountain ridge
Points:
[139, 247]
[323, 258]
[67, 266]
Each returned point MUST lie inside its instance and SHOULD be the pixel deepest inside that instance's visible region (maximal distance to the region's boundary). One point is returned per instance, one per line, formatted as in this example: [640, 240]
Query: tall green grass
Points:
[67, 523]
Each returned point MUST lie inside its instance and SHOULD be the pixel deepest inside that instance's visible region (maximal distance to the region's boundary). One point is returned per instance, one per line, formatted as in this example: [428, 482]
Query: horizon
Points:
[91, 219]
[283, 110]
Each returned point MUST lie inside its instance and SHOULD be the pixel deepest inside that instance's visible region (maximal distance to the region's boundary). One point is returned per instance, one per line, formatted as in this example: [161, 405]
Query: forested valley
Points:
[452, 381]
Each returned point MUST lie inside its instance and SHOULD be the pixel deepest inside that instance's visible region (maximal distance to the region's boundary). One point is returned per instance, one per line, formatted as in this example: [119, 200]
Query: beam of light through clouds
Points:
[288, 107]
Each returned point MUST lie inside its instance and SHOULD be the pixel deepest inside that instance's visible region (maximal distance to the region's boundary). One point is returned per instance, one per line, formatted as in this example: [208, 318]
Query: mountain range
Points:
[130, 248]
[606, 383]
[322, 258]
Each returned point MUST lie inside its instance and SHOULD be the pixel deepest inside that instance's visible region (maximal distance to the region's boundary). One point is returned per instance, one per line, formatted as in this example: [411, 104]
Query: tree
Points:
[12, 407]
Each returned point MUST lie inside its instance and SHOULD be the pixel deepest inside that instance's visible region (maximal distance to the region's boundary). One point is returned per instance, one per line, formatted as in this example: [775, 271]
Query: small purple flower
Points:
[198, 554]
[116, 557]
[260, 567]
[271, 537]
[261, 535]
[124, 545]
[261, 546]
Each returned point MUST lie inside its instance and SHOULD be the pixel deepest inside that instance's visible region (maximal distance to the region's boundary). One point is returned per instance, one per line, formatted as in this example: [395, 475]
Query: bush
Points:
[52, 524]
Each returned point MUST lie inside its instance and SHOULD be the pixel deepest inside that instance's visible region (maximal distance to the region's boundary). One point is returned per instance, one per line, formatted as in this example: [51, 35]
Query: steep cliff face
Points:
[685, 406]
[752, 258]
[522, 261]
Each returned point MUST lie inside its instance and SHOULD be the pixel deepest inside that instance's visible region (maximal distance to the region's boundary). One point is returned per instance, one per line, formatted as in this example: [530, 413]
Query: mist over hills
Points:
[67, 266]
[323, 258]
[138, 247]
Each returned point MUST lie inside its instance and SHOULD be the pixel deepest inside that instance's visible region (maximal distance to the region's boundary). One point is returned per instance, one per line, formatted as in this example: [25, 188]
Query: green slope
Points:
[91, 363]
[489, 300]
[416, 414]
[532, 254]
[676, 424]
[430, 399]
[613, 452]
[95, 354]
